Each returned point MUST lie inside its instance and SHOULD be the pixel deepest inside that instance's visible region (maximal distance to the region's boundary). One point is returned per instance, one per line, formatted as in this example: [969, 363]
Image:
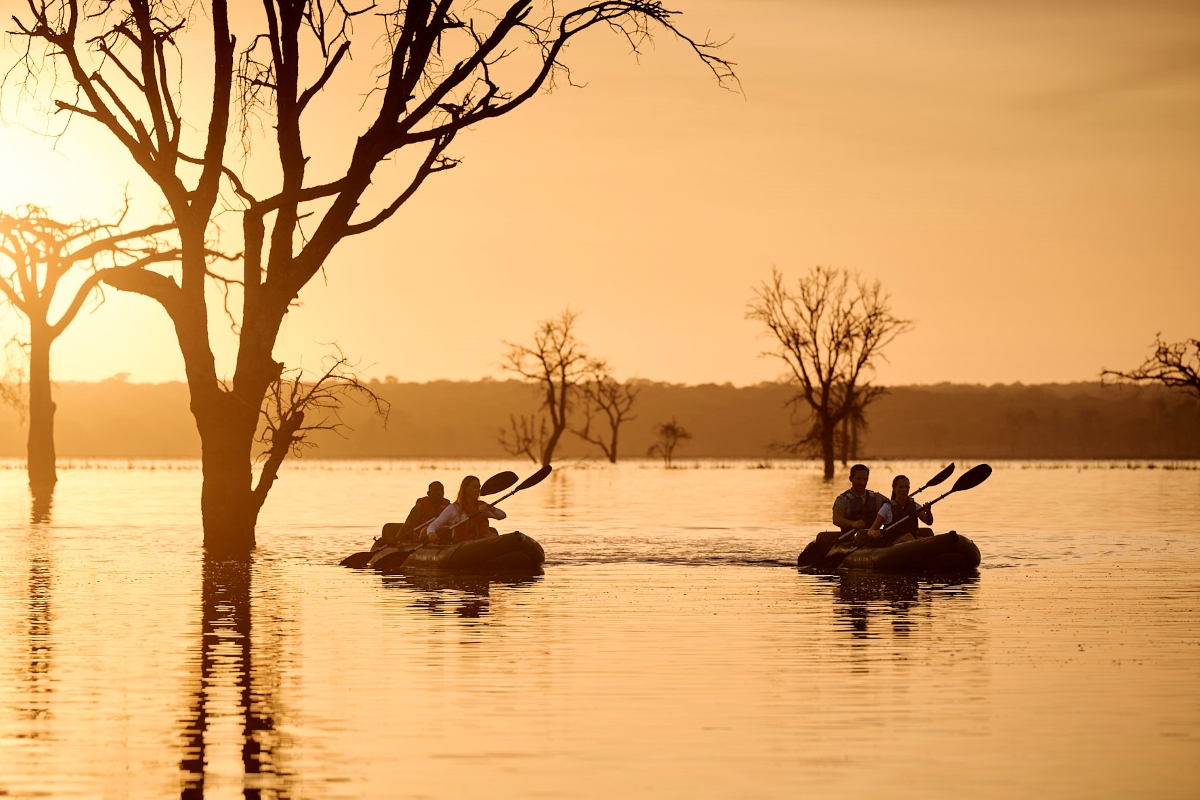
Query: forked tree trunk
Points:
[228, 505]
[40, 454]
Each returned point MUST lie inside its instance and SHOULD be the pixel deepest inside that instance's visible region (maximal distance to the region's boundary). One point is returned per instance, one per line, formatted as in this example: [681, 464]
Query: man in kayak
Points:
[425, 509]
[857, 507]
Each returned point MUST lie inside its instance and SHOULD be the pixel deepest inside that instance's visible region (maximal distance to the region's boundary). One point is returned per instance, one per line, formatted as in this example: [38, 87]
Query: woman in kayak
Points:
[902, 509]
[467, 517]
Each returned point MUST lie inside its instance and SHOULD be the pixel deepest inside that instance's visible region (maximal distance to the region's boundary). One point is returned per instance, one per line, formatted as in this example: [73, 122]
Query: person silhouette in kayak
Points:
[856, 508]
[467, 517]
[423, 511]
[900, 509]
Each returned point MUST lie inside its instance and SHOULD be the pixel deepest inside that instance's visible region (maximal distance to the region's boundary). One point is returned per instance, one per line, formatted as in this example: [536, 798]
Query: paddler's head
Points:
[900, 488]
[859, 475]
[436, 490]
[468, 492]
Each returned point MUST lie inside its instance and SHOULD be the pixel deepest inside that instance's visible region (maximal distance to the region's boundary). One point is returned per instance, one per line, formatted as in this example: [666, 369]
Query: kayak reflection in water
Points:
[423, 511]
[467, 517]
[900, 509]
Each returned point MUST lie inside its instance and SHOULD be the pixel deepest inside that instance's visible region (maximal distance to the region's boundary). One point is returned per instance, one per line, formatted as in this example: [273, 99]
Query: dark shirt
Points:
[861, 508]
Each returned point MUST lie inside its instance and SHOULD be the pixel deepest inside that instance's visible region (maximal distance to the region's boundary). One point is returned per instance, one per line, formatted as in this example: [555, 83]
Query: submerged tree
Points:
[607, 398]
[1176, 365]
[117, 65]
[831, 332]
[39, 254]
[670, 435]
[556, 364]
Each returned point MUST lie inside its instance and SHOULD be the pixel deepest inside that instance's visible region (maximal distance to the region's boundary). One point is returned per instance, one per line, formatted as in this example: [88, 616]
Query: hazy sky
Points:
[1024, 177]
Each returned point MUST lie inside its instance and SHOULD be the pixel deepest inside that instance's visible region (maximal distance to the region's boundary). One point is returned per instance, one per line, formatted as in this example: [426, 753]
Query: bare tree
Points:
[852, 425]
[526, 436]
[38, 254]
[670, 435]
[831, 332]
[1176, 365]
[556, 364]
[117, 66]
[604, 396]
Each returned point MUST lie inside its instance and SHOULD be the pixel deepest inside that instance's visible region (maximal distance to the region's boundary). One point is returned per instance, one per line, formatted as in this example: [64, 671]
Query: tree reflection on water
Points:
[231, 685]
[37, 683]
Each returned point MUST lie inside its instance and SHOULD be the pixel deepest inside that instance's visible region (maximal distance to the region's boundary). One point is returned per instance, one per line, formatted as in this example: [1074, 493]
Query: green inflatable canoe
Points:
[510, 553]
[944, 553]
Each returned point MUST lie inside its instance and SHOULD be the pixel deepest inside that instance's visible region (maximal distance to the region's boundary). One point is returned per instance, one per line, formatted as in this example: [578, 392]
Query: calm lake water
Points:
[670, 650]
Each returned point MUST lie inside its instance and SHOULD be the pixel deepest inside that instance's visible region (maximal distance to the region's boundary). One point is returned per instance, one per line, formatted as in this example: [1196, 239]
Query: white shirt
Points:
[452, 515]
[885, 511]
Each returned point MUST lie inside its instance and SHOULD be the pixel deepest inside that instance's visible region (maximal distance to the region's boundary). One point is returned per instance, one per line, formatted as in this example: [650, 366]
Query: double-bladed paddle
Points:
[936, 479]
[968, 480]
[497, 483]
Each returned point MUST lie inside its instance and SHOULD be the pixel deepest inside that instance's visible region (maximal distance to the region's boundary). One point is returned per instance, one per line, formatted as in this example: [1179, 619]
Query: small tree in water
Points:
[607, 399]
[40, 255]
[670, 435]
[831, 332]
[555, 364]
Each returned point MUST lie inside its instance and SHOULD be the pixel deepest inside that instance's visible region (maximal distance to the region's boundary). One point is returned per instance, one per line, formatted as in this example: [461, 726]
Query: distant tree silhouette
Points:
[118, 65]
[1176, 365]
[605, 395]
[38, 254]
[852, 426]
[556, 364]
[830, 332]
[670, 435]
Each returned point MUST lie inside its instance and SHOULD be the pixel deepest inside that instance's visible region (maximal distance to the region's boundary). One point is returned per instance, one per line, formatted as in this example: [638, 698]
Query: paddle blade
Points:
[534, 479]
[972, 478]
[497, 483]
[941, 476]
[356, 561]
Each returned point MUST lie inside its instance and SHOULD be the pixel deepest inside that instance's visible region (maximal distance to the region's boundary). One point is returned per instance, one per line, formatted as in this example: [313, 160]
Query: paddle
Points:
[968, 480]
[532, 480]
[497, 483]
[936, 479]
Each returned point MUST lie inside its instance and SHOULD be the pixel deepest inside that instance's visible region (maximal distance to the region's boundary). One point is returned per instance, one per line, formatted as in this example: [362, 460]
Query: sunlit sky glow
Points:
[1024, 178]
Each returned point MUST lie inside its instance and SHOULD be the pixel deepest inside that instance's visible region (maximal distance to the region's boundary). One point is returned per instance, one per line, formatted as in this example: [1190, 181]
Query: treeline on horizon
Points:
[463, 419]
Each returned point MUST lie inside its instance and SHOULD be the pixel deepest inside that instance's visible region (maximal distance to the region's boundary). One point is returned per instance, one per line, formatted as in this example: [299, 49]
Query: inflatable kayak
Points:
[942, 553]
[508, 553]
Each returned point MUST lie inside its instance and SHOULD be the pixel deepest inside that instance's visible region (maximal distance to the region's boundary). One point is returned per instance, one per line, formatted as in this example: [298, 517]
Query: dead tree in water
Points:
[1176, 365]
[556, 365]
[605, 395]
[119, 67]
[41, 256]
[830, 332]
[670, 435]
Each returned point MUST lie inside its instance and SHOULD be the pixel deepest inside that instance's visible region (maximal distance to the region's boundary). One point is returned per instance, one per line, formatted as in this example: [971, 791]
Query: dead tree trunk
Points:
[40, 455]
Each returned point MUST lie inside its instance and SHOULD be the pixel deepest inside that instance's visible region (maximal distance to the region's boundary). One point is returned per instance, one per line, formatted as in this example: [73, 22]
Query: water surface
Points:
[670, 650]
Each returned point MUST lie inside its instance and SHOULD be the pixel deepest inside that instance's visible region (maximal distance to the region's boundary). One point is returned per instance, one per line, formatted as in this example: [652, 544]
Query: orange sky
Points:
[1024, 177]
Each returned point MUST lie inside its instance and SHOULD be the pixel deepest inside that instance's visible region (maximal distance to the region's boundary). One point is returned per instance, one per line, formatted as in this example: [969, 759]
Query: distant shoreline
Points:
[462, 419]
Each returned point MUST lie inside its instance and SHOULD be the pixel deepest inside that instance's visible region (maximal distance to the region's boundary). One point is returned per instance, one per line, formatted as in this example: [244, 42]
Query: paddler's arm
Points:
[441, 521]
[491, 511]
[925, 514]
[877, 526]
